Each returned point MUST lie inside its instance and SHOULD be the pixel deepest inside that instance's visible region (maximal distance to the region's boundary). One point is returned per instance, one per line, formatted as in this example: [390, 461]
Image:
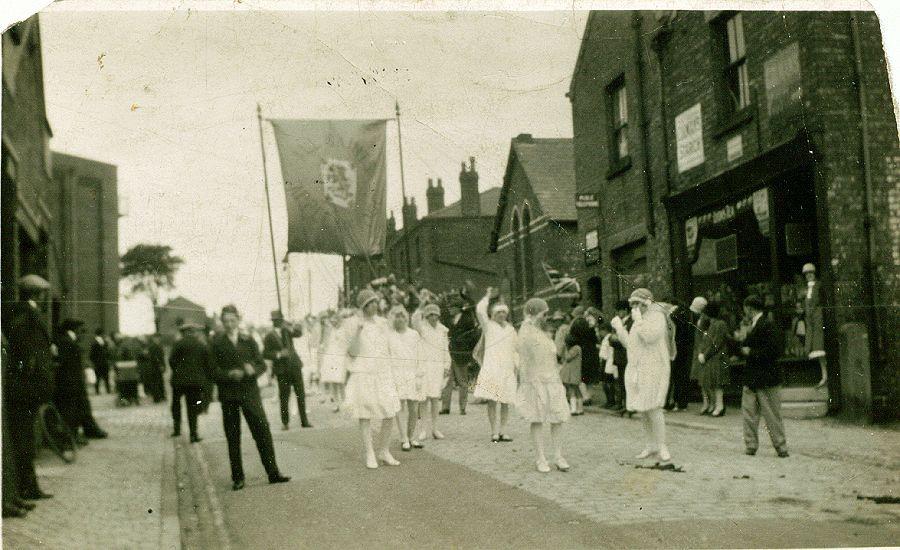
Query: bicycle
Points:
[51, 431]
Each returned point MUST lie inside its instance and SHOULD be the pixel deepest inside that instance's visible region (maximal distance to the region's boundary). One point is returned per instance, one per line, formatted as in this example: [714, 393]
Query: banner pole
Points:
[403, 192]
[262, 146]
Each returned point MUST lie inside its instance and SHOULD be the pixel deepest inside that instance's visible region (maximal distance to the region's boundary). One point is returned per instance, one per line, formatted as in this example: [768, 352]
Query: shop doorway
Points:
[595, 292]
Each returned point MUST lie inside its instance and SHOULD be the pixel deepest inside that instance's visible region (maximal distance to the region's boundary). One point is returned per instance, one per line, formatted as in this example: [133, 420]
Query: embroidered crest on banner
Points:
[339, 182]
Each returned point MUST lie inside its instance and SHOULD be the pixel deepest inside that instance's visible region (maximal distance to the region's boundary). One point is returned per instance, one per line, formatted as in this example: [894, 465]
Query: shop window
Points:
[726, 253]
[737, 82]
[617, 102]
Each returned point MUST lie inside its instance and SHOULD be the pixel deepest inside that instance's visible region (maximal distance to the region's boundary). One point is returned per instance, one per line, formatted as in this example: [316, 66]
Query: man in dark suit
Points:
[685, 320]
[279, 348]
[100, 359]
[463, 334]
[70, 390]
[30, 376]
[761, 380]
[237, 364]
[192, 367]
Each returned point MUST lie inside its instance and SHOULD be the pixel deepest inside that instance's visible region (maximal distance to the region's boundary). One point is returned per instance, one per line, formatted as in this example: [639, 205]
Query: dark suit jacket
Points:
[463, 336]
[99, 356]
[191, 363]
[228, 357]
[685, 328]
[276, 341]
[30, 360]
[70, 369]
[761, 369]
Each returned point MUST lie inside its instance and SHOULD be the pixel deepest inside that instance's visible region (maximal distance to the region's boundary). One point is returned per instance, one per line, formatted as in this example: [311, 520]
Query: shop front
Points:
[750, 231]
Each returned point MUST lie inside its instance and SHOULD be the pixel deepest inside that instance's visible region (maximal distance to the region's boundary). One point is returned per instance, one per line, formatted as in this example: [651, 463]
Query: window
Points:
[736, 79]
[527, 253]
[618, 102]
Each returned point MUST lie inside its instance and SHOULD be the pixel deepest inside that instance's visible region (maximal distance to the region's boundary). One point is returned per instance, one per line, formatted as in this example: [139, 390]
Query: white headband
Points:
[501, 307]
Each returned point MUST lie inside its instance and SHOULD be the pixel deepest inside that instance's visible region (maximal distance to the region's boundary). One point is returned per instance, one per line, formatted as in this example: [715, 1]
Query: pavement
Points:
[465, 491]
[119, 493]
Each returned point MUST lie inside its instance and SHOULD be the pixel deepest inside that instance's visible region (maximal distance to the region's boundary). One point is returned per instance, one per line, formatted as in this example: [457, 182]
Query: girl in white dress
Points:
[435, 364]
[371, 393]
[404, 344]
[542, 397]
[651, 347]
[497, 378]
[333, 369]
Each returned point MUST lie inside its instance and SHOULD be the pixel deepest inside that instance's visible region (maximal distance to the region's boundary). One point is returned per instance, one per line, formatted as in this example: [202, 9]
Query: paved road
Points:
[466, 492]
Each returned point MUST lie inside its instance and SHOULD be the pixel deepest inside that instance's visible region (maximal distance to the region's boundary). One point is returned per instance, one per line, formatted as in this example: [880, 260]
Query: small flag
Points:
[335, 184]
[561, 283]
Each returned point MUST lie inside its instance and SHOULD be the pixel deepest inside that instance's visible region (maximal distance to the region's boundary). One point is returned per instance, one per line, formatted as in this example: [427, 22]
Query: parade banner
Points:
[335, 184]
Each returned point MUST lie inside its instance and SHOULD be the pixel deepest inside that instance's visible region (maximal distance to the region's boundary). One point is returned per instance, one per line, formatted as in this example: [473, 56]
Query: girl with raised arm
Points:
[497, 378]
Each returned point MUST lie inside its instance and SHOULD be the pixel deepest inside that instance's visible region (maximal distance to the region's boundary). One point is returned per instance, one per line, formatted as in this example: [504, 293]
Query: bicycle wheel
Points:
[56, 434]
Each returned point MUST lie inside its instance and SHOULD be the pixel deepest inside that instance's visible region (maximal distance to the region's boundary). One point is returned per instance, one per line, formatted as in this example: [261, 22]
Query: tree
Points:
[150, 270]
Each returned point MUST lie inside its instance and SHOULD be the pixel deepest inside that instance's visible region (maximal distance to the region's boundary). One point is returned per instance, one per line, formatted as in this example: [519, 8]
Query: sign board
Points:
[689, 138]
[757, 202]
[586, 200]
[591, 247]
[782, 78]
[734, 148]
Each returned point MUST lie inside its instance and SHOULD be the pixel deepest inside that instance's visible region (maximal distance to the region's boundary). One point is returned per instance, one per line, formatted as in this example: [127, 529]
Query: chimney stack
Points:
[435, 195]
[409, 212]
[470, 201]
[391, 224]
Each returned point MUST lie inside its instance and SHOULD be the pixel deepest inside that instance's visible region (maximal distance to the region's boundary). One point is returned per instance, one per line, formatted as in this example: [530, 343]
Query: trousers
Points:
[292, 380]
[193, 396]
[765, 402]
[459, 378]
[252, 408]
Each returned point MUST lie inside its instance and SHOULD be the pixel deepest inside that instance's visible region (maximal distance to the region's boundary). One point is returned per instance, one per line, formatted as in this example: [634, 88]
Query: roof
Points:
[182, 303]
[549, 165]
[489, 199]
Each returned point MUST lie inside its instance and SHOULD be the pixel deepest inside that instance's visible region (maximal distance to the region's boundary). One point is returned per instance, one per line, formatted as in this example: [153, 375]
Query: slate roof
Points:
[489, 200]
[549, 164]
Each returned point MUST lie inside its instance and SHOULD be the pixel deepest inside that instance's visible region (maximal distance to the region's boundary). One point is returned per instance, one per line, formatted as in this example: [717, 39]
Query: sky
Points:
[170, 98]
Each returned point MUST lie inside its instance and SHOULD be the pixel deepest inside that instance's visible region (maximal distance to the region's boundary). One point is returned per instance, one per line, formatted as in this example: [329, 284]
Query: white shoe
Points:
[646, 453]
[543, 467]
[664, 455]
[371, 462]
[388, 459]
[562, 465]
[437, 435]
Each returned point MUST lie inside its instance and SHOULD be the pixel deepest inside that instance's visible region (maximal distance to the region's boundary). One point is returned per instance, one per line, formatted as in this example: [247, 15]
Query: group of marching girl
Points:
[396, 367]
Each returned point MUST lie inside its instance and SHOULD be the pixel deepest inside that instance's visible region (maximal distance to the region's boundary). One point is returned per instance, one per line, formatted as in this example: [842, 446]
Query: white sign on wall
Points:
[734, 148]
[689, 138]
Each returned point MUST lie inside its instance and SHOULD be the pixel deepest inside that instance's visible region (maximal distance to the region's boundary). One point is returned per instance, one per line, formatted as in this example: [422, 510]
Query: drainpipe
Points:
[869, 264]
[639, 88]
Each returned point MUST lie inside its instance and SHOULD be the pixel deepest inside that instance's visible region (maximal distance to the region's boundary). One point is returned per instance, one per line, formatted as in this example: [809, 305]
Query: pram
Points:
[127, 380]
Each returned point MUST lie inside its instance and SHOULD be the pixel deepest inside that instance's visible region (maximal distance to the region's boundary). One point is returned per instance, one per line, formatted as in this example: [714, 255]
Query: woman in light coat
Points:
[650, 347]
[434, 359]
[497, 378]
[541, 395]
[404, 344]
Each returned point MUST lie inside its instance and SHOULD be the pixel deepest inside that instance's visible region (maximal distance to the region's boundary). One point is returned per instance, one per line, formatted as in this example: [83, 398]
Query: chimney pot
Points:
[430, 183]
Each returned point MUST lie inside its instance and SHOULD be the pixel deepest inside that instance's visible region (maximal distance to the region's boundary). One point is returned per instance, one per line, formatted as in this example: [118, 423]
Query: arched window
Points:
[517, 255]
[527, 252]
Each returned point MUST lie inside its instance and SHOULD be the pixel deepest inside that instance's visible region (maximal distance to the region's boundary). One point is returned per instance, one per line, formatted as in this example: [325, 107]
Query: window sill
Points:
[619, 167]
[734, 121]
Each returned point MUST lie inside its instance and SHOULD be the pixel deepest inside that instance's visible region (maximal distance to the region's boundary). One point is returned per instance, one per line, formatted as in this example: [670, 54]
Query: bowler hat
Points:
[71, 324]
[809, 268]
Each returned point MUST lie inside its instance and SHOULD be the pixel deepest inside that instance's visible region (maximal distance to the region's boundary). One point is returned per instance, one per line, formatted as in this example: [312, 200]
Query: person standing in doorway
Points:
[191, 366]
[815, 325]
[762, 379]
[237, 363]
[286, 364]
[685, 331]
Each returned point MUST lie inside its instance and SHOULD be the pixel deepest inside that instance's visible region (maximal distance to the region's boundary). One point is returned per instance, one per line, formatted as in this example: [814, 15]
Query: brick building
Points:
[28, 193]
[447, 246]
[87, 229]
[727, 149]
[535, 224]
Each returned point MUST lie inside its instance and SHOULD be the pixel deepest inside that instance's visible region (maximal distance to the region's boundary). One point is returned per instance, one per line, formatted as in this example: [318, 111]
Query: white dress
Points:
[371, 392]
[435, 359]
[497, 377]
[542, 397]
[333, 360]
[648, 370]
[405, 366]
